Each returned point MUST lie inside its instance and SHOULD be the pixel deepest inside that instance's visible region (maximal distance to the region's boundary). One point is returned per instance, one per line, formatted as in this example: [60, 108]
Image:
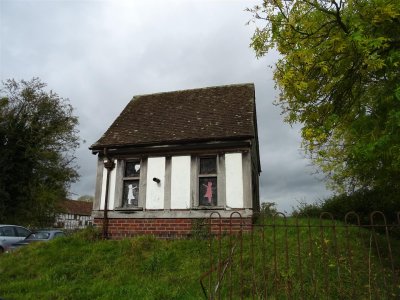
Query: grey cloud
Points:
[101, 53]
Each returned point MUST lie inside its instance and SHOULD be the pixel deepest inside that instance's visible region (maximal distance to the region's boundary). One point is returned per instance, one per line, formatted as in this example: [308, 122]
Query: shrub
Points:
[89, 234]
[363, 202]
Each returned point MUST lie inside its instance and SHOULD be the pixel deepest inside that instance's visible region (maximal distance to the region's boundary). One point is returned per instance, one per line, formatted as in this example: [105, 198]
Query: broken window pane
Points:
[130, 196]
[208, 191]
[132, 169]
[208, 165]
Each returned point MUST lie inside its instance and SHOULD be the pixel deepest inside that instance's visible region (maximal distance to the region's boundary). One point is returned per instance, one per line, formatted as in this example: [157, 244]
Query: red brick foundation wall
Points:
[182, 227]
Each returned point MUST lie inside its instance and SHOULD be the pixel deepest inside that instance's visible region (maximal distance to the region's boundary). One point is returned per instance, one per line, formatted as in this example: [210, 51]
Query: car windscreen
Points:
[38, 236]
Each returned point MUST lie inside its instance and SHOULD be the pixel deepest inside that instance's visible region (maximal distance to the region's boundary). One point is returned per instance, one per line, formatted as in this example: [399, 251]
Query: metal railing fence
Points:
[282, 257]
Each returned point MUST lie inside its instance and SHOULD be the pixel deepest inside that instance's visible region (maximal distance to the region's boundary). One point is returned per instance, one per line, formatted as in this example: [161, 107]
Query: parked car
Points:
[37, 236]
[10, 234]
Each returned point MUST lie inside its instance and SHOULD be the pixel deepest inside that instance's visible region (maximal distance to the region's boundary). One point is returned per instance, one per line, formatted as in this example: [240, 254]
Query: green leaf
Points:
[338, 70]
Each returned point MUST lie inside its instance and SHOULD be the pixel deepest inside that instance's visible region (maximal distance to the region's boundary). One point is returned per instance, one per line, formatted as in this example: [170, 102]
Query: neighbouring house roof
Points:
[75, 207]
[205, 114]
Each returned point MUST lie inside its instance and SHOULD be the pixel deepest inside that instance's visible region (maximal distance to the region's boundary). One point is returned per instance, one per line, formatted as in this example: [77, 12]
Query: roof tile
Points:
[213, 113]
[75, 207]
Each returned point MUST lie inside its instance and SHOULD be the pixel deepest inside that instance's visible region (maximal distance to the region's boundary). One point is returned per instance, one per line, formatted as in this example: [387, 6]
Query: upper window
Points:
[208, 193]
[130, 194]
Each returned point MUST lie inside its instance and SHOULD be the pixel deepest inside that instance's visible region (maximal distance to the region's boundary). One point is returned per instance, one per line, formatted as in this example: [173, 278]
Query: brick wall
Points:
[182, 227]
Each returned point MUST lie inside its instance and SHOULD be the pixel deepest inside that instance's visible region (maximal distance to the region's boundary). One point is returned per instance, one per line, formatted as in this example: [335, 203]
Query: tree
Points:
[339, 76]
[38, 137]
[268, 209]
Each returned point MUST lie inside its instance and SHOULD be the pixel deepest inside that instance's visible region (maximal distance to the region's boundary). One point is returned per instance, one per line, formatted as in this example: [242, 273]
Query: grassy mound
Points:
[80, 268]
[280, 260]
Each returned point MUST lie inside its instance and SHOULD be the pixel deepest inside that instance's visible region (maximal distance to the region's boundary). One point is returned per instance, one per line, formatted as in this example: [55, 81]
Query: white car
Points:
[10, 234]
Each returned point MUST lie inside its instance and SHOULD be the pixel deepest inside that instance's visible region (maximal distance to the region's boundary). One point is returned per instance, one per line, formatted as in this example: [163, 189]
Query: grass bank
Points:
[77, 268]
[280, 260]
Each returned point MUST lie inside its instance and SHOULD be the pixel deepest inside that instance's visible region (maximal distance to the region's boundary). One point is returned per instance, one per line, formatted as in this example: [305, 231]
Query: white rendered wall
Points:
[154, 190]
[180, 182]
[111, 187]
[234, 180]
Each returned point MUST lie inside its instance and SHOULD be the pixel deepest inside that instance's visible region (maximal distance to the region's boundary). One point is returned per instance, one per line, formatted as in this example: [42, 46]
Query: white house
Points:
[73, 214]
[173, 157]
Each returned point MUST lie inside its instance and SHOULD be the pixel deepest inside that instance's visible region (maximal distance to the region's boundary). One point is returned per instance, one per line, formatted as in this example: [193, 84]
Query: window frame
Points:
[130, 178]
[220, 178]
[120, 178]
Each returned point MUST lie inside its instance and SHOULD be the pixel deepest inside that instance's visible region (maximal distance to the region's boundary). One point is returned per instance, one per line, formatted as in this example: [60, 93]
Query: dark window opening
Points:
[132, 169]
[208, 165]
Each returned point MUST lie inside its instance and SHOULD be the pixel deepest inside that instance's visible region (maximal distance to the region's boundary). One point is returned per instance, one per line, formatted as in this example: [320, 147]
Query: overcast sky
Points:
[101, 53]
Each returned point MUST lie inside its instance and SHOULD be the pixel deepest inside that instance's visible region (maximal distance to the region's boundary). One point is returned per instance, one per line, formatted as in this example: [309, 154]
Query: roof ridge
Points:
[194, 89]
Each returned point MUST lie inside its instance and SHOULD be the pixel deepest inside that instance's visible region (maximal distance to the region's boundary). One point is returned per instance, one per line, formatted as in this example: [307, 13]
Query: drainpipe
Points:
[109, 165]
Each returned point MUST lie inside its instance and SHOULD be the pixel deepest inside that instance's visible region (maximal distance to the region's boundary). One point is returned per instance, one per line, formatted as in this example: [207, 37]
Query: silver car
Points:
[42, 235]
[10, 234]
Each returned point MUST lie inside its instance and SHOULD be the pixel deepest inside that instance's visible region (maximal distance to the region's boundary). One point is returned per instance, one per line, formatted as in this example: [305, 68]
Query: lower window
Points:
[208, 195]
[130, 193]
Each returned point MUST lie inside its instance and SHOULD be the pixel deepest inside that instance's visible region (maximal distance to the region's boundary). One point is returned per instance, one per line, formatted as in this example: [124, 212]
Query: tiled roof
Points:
[206, 114]
[75, 207]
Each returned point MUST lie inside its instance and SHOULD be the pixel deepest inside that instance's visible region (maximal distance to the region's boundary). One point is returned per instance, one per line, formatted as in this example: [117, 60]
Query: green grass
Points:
[312, 260]
[83, 267]
[74, 268]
